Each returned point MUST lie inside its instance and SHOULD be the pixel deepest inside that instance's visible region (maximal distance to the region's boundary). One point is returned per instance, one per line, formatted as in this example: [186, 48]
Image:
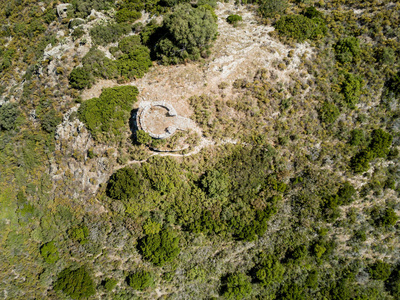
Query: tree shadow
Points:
[133, 126]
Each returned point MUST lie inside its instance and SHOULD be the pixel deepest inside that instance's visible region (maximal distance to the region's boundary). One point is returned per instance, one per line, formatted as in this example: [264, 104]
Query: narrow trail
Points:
[203, 143]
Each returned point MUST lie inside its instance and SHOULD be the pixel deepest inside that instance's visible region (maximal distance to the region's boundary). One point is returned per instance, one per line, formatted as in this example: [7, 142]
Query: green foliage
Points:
[329, 112]
[140, 280]
[386, 218]
[142, 137]
[75, 283]
[301, 28]
[110, 284]
[216, 184]
[109, 33]
[127, 15]
[311, 12]
[360, 162]
[380, 143]
[234, 19]
[351, 89]
[379, 270]
[77, 33]
[270, 271]
[107, 115]
[49, 252]
[80, 78]
[394, 83]
[79, 234]
[82, 8]
[123, 184]
[50, 120]
[270, 8]
[292, 292]
[347, 49]
[160, 248]
[188, 34]
[357, 137]
[98, 65]
[237, 286]
[9, 113]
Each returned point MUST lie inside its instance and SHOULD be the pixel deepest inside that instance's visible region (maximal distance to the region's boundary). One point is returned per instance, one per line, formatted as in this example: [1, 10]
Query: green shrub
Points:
[75, 283]
[347, 49]
[9, 113]
[237, 286]
[394, 83]
[357, 137]
[380, 143]
[216, 184]
[79, 233]
[77, 33]
[142, 137]
[127, 15]
[188, 33]
[135, 63]
[360, 162]
[110, 33]
[160, 248]
[50, 120]
[97, 64]
[107, 115]
[351, 89]
[379, 270]
[301, 28]
[329, 112]
[123, 184]
[387, 218]
[110, 284]
[311, 12]
[270, 271]
[80, 78]
[49, 252]
[269, 8]
[234, 19]
[140, 280]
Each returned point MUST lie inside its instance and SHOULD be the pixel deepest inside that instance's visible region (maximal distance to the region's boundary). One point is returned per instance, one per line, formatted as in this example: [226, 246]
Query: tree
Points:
[75, 283]
[140, 280]
[270, 271]
[329, 113]
[80, 78]
[380, 143]
[9, 113]
[49, 252]
[160, 248]
[301, 28]
[347, 49]
[351, 89]
[269, 8]
[123, 184]
[379, 270]
[188, 33]
[237, 286]
[216, 184]
[79, 234]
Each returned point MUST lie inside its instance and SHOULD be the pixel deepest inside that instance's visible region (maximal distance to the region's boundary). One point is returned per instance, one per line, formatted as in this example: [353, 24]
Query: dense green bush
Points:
[188, 34]
[311, 12]
[79, 233]
[351, 89]
[106, 115]
[347, 49]
[49, 252]
[109, 33]
[357, 137]
[98, 65]
[135, 60]
[9, 113]
[270, 271]
[110, 284]
[234, 19]
[301, 28]
[379, 270]
[388, 217]
[237, 286]
[270, 8]
[394, 83]
[216, 184]
[380, 143]
[80, 78]
[360, 162]
[329, 112]
[127, 15]
[140, 280]
[142, 137]
[160, 248]
[75, 283]
[123, 184]
[82, 8]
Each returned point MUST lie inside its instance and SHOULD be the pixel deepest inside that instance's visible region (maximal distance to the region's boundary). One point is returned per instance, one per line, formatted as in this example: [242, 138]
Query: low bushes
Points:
[301, 28]
[105, 116]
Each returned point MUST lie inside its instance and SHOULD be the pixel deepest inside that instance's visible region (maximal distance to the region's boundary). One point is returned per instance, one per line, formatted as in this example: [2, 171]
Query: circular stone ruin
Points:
[157, 119]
